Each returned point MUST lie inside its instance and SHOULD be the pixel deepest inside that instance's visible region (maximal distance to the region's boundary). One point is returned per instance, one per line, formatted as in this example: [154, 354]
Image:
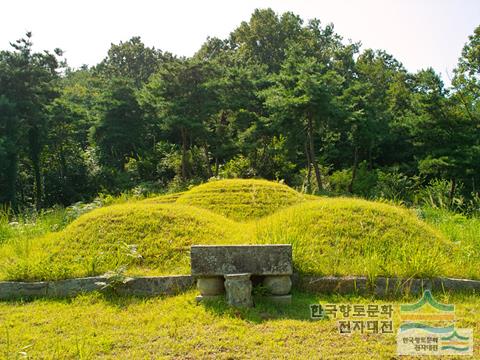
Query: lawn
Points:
[99, 326]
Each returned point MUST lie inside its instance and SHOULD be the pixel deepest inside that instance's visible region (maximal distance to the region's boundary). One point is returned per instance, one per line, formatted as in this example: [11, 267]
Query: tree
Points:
[180, 101]
[120, 133]
[368, 114]
[65, 172]
[303, 99]
[9, 139]
[27, 80]
[446, 139]
[266, 37]
[132, 60]
[467, 76]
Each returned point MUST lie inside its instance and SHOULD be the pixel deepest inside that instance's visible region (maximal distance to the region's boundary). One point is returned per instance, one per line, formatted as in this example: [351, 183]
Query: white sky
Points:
[419, 33]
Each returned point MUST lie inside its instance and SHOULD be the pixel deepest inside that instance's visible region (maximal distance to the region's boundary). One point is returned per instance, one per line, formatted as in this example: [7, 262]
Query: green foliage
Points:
[120, 135]
[438, 194]
[365, 181]
[396, 186]
[131, 60]
[340, 180]
[27, 87]
[265, 38]
[364, 185]
[66, 176]
[466, 75]
[238, 167]
[115, 279]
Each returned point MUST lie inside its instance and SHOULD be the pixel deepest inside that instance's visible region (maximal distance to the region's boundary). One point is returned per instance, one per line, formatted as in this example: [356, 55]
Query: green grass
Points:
[97, 326]
[464, 232]
[163, 199]
[241, 200]
[330, 236]
[113, 236]
[344, 236]
[32, 225]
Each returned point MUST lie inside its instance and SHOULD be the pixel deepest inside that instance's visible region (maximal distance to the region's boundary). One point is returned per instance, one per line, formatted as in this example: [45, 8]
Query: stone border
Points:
[169, 285]
[382, 286]
[140, 286]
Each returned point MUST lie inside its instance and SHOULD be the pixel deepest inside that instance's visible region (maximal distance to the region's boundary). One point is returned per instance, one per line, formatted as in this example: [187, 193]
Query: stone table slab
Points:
[218, 260]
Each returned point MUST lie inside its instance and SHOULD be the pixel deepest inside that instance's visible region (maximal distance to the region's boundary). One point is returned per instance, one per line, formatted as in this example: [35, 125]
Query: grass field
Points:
[330, 236]
[96, 326]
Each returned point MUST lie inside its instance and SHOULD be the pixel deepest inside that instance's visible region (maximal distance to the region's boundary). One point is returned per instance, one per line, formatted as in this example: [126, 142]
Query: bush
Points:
[340, 180]
[364, 184]
[396, 186]
[238, 167]
[437, 194]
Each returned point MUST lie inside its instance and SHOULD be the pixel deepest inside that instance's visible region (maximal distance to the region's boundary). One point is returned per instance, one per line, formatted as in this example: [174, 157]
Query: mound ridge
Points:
[241, 199]
[330, 236]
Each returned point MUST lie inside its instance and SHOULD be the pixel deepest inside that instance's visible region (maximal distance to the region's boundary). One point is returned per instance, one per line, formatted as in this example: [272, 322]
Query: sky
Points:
[418, 33]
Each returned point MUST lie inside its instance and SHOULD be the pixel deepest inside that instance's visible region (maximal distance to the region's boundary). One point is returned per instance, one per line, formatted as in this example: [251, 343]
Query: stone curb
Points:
[140, 286]
[169, 285]
[382, 286]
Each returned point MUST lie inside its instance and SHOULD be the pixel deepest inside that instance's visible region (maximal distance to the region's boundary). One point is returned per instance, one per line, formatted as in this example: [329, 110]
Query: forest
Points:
[281, 99]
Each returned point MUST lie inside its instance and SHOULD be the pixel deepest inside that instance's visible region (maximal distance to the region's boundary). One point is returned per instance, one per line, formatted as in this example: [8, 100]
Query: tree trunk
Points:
[452, 191]
[35, 149]
[7, 115]
[318, 175]
[12, 163]
[354, 169]
[207, 161]
[66, 193]
[217, 166]
[183, 132]
[11, 173]
[255, 158]
[38, 182]
[309, 167]
[370, 158]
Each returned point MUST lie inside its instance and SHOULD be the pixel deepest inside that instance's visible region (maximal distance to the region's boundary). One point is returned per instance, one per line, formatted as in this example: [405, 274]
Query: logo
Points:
[356, 318]
[428, 328]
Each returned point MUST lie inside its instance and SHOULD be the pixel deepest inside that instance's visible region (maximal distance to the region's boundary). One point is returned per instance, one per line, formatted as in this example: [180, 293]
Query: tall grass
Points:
[31, 225]
[463, 231]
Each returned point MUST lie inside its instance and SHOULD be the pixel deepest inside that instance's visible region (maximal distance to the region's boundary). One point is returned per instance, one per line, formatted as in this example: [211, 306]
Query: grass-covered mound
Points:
[330, 236]
[241, 199]
[344, 236]
[147, 237]
[163, 199]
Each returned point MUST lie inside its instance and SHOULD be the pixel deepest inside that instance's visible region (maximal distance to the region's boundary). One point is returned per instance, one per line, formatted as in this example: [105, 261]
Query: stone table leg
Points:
[239, 290]
[210, 287]
[279, 287]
